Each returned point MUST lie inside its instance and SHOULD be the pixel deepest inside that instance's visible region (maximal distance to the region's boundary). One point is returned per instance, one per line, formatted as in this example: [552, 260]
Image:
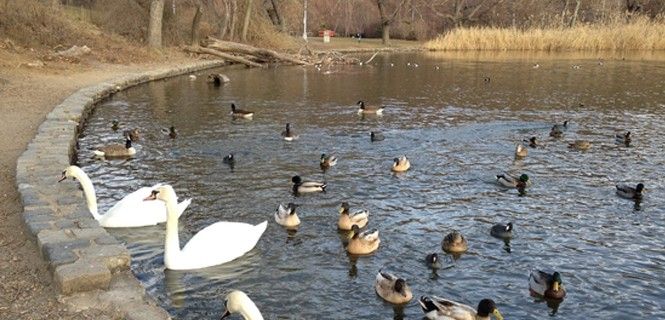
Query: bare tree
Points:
[155, 23]
[196, 23]
[387, 19]
[234, 19]
[273, 13]
[245, 25]
[573, 19]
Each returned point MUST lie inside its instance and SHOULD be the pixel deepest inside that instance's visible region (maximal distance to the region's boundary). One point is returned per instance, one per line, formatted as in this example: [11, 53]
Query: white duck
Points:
[436, 308]
[238, 302]
[130, 211]
[215, 244]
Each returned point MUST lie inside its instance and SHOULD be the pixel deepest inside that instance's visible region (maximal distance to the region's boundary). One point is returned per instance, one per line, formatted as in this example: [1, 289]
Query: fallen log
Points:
[234, 47]
[224, 56]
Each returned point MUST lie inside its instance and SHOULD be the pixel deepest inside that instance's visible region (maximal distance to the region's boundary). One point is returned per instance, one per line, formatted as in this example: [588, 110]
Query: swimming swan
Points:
[131, 211]
[215, 244]
[238, 302]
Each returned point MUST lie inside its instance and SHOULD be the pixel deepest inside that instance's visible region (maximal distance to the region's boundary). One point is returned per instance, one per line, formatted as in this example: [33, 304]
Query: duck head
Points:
[509, 227]
[291, 207]
[432, 258]
[556, 282]
[400, 286]
[361, 104]
[355, 230]
[296, 180]
[344, 208]
[427, 304]
[639, 188]
[524, 178]
[233, 106]
[487, 307]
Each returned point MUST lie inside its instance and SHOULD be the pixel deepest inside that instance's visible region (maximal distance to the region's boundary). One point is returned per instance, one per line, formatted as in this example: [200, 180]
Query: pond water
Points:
[458, 130]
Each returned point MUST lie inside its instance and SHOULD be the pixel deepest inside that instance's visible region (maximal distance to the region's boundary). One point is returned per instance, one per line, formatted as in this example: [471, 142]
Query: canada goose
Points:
[364, 242]
[520, 151]
[132, 134]
[401, 164]
[287, 216]
[369, 109]
[432, 261]
[581, 145]
[218, 79]
[327, 161]
[116, 150]
[348, 219]
[238, 302]
[392, 288]
[546, 285]
[300, 186]
[454, 242]
[239, 113]
[628, 192]
[502, 231]
[376, 136]
[288, 134]
[436, 308]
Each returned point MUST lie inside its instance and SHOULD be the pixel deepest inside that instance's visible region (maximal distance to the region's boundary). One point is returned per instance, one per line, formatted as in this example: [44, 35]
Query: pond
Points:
[457, 117]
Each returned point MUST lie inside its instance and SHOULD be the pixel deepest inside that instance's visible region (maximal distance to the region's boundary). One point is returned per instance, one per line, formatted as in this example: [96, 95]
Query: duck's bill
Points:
[152, 196]
[226, 314]
[497, 314]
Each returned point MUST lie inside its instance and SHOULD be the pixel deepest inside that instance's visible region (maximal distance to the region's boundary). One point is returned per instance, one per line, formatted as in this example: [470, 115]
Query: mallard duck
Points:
[624, 138]
[300, 186]
[376, 136]
[229, 159]
[392, 288]
[432, 261]
[520, 151]
[115, 125]
[628, 192]
[369, 109]
[287, 216]
[509, 181]
[238, 302]
[239, 113]
[436, 308]
[401, 164]
[532, 142]
[348, 219]
[581, 145]
[502, 231]
[116, 150]
[327, 161]
[288, 134]
[364, 242]
[556, 132]
[454, 242]
[171, 132]
[546, 285]
[132, 134]
[218, 79]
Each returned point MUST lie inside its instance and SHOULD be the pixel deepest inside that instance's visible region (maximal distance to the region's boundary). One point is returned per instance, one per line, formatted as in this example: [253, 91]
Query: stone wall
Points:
[90, 267]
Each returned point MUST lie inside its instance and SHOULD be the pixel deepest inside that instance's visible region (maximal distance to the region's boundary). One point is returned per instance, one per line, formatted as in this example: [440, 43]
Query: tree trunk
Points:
[245, 25]
[224, 26]
[304, 21]
[577, 9]
[234, 19]
[195, 26]
[563, 13]
[155, 24]
[385, 33]
[280, 19]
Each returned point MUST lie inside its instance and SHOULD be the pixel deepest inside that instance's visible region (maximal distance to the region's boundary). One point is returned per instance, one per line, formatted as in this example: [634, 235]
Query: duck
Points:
[238, 302]
[581, 145]
[172, 133]
[533, 143]
[547, 285]
[116, 150]
[115, 125]
[239, 113]
[454, 242]
[535, 66]
[369, 109]
[509, 181]
[401, 164]
[556, 132]
[131, 211]
[432, 261]
[502, 231]
[520, 151]
[364, 242]
[327, 161]
[300, 186]
[218, 79]
[229, 159]
[192, 77]
[347, 219]
[288, 134]
[392, 288]
[623, 138]
[436, 308]
[628, 192]
[376, 136]
[132, 134]
[215, 244]
[287, 216]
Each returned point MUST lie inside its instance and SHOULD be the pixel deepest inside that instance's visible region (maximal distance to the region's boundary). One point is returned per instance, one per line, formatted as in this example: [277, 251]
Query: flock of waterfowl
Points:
[205, 248]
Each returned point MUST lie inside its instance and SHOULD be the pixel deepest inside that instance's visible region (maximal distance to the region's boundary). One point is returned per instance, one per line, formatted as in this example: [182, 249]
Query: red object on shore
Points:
[331, 33]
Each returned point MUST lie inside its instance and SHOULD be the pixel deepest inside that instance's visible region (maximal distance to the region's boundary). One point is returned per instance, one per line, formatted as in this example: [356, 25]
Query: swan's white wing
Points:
[132, 211]
[220, 242]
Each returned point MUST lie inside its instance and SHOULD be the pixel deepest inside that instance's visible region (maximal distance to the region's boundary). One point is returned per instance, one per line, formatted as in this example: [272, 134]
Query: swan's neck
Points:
[251, 312]
[172, 241]
[89, 192]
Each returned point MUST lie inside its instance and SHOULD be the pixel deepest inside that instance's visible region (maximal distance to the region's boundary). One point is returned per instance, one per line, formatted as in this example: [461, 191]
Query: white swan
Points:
[217, 243]
[238, 302]
[130, 211]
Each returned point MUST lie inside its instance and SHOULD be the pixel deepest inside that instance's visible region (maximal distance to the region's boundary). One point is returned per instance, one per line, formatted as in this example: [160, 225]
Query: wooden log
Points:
[234, 47]
[224, 56]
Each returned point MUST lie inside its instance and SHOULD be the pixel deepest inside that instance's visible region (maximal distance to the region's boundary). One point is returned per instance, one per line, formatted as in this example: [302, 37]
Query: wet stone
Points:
[83, 275]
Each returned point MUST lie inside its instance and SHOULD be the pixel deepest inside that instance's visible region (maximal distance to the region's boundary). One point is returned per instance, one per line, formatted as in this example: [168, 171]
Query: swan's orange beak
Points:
[152, 196]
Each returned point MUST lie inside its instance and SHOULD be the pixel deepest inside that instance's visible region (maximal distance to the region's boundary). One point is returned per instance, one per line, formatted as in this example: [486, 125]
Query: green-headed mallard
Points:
[348, 219]
[238, 302]
[520, 151]
[509, 181]
[376, 136]
[546, 285]
[502, 231]
[454, 242]
[239, 113]
[288, 134]
[392, 288]
[401, 164]
[300, 186]
[436, 308]
[364, 242]
[116, 150]
[581, 145]
[287, 216]
[369, 109]
[628, 192]
[623, 138]
[327, 161]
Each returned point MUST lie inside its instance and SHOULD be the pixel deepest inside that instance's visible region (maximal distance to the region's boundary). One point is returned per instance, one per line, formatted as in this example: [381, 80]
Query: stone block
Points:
[82, 275]
[57, 254]
[115, 257]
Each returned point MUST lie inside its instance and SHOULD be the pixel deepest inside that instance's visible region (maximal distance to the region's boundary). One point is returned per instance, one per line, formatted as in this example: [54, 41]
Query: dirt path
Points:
[26, 97]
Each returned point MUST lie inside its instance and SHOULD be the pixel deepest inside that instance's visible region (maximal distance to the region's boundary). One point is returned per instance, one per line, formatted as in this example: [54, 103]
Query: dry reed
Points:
[639, 34]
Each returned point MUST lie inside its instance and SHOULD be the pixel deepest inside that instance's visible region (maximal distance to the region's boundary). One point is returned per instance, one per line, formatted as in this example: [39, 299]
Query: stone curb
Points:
[87, 263]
